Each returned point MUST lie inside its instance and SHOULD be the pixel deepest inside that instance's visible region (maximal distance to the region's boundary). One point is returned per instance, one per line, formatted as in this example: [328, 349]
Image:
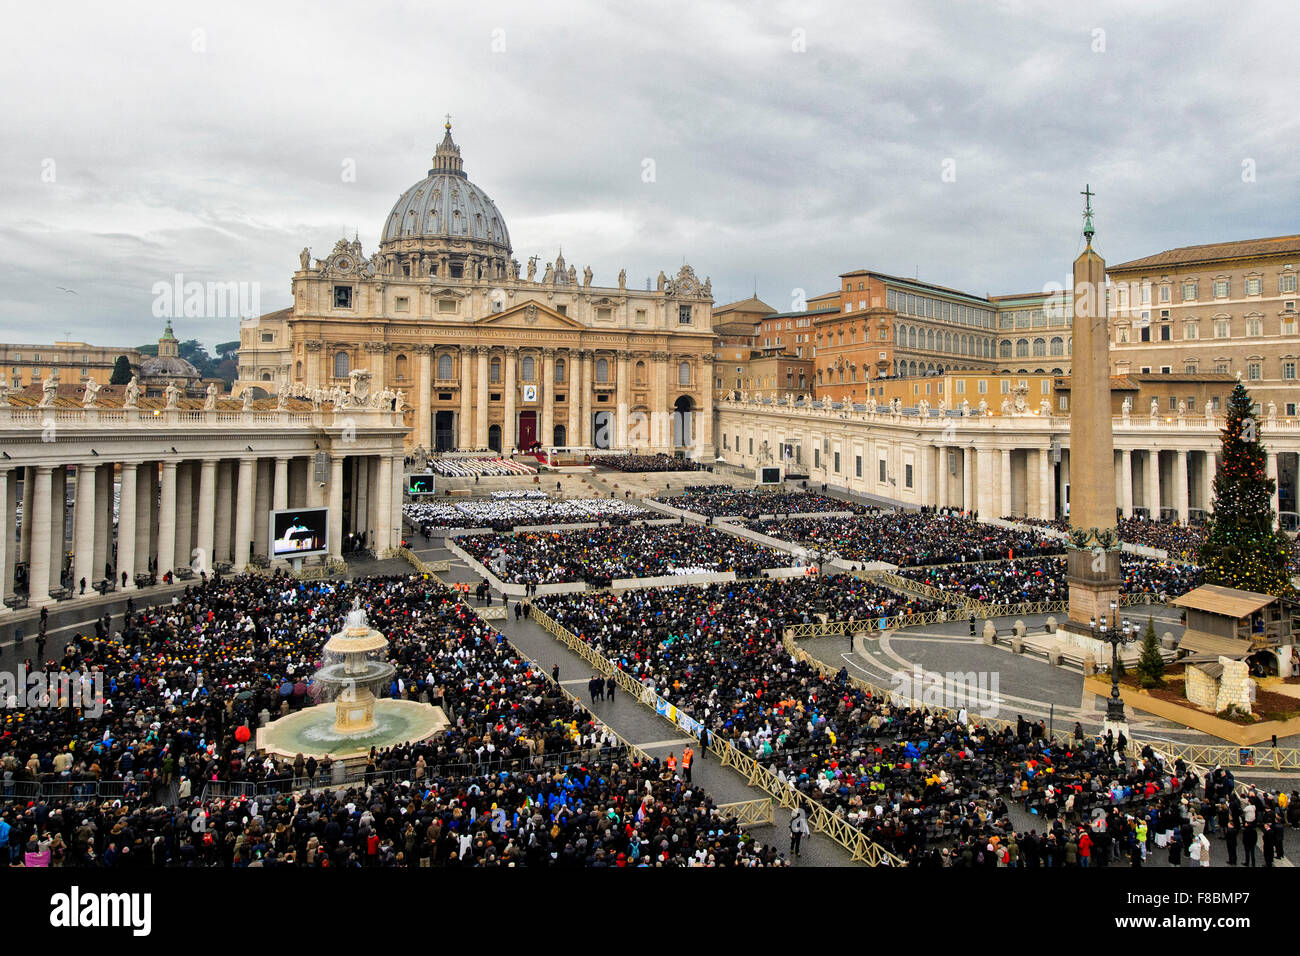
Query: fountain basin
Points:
[311, 732]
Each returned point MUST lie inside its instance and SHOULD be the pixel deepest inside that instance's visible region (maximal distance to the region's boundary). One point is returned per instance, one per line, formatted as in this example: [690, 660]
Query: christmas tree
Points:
[1243, 548]
[1151, 666]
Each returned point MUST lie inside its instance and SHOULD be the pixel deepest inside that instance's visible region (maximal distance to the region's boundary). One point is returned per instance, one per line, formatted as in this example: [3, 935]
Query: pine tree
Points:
[1150, 666]
[121, 371]
[1243, 548]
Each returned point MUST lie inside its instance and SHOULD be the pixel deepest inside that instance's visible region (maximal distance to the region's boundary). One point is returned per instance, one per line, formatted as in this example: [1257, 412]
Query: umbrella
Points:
[244, 695]
[286, 689]
[299, 689]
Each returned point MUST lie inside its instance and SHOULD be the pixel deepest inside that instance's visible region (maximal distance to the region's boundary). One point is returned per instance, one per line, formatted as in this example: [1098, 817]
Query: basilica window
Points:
[444, 367]
[526, 368]
[494, 372]
[342, 365]
[297, 370]
[343, 297]
[400, 367]
[1022, 348]
[559, 371]
[640, 373]
[602, 370]
[683, 315]
[684, 374]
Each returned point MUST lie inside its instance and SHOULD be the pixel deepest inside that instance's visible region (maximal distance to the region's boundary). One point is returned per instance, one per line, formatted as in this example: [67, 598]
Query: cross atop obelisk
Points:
[1088, 231]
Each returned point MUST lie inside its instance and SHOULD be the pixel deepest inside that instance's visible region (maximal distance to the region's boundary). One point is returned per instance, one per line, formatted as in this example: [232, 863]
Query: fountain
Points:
[354, 667]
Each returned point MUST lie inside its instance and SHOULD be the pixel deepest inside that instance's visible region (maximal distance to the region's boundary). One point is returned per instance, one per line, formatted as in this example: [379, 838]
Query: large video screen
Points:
[419, 484]
[769, 476]
[300, 532]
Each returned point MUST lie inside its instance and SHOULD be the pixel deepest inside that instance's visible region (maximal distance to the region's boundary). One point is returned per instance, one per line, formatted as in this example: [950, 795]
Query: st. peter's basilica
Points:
[484, 356]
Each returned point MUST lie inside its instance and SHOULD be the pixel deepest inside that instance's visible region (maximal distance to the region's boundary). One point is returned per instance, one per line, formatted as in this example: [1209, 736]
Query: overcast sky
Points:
[789, 142]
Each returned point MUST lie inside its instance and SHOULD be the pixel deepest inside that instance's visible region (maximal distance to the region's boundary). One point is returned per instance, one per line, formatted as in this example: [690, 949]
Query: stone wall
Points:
[1235, 686]
[1202, 690]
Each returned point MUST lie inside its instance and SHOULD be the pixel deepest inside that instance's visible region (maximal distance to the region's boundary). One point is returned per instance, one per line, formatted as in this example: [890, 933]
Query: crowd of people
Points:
[645, 463]
[1035, 580]
[478, 467]
[1177, 540]
[726, 503]
[497, 788]
[601, 555]
[502, 514]
[933, 788]
[907, 538]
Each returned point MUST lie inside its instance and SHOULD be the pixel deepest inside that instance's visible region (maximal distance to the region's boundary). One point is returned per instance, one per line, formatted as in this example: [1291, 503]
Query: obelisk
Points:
[1094, 568]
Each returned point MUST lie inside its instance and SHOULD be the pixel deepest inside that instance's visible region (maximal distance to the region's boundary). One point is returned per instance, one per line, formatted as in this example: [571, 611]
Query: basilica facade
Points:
[482, 356]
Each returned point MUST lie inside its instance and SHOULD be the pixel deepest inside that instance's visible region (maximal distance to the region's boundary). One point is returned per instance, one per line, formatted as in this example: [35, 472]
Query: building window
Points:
[1063, 403]
[562, 309]
[343, 297]
[1288, 371]
[1190, 331]
[1166, 333]
[444, 367]
[881, 471]
[857, 465]
[342, 365]
[1254, 327]
[268, 337]
[983, 386]
[907, 476]
[1189, 291]
[494, 370]
[1286, 283]
[684, 374]
[1254, 371]
[527, 368]
[559, 371]
[683, 315]
[837, 463]
[1220, 288]
[446, 305]
[751, 446]
[1253, 285]
[1221, 328]
[602, 370]
[400, 367]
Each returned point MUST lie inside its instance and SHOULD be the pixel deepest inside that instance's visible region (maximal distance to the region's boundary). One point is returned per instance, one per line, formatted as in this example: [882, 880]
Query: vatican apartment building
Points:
[1226, 308]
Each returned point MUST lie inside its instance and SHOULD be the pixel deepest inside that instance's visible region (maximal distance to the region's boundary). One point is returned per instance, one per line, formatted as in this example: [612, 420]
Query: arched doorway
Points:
[494, 438]
[559, 436]
[683, 420]
[444, 431]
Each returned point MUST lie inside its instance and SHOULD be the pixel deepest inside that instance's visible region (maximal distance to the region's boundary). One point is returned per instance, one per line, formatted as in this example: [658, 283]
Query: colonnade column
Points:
[207, 509]
[83, 526]
[1152, 481]
[103, 522]
[221, 540]
[384, 510]
[1005, 484]
[58, 523]
[547, 437]
[244, 511]
[968, 479]
[184, 514]
[167, 519]
[466, 423]
[1046, 504]
[38, 514]
[423, 399]
[1126, 482]
[336, 500]
[1180, 485]
[280, 494]
[126, 527]
[481, 409]
[1211, 472]
[144, 513]
[6, 532]
[510, 427]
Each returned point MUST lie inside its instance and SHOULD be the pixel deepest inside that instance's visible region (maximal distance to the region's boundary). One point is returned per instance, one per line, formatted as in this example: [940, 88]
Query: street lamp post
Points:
[1115, 635]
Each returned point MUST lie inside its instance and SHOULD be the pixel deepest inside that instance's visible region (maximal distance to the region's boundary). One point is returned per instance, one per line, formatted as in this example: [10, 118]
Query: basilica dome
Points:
[445, 211]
